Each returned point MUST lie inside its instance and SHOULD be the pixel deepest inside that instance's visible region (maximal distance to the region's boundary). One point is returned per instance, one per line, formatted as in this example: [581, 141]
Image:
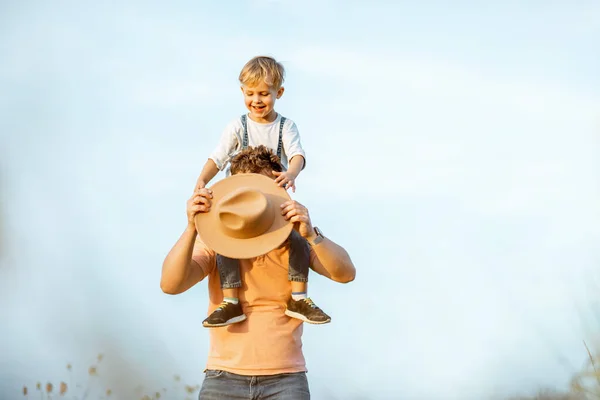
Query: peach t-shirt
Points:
[268, 342]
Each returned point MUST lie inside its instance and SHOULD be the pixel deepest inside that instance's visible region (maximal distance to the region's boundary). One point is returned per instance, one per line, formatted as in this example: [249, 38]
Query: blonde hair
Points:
[263, 69]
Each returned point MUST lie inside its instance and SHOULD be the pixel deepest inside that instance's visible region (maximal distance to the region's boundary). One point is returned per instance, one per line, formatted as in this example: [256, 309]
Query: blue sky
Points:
[453, 150]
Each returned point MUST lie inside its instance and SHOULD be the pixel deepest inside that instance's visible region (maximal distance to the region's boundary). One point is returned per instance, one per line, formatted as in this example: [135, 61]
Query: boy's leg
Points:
[299, 290]
[230, 310]
[300, 306]
[229, 272]
[299, 258]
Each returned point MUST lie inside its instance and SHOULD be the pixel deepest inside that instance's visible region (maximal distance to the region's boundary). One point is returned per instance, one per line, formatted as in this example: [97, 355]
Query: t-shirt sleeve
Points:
[227, 145]
[204, 257]
[292, 145]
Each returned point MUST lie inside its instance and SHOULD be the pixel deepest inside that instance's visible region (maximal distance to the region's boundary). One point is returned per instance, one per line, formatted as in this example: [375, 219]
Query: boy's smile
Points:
[260, 101]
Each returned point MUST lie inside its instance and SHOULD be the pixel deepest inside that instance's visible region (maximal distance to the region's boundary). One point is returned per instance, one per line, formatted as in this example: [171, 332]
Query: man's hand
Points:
[199, 202]
[286, 179]
[298, 214]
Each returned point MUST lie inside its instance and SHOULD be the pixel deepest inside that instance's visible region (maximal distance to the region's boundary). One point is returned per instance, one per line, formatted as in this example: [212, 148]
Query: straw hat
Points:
[245, 219]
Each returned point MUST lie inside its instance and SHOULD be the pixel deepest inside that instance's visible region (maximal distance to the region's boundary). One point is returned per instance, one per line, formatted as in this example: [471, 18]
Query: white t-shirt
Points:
[258, 133]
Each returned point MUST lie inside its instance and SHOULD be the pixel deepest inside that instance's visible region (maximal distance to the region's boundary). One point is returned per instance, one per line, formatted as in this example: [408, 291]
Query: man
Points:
[260, 357]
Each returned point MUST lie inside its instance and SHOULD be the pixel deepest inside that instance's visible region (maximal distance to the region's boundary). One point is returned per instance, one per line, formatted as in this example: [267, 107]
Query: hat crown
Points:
[245, 213]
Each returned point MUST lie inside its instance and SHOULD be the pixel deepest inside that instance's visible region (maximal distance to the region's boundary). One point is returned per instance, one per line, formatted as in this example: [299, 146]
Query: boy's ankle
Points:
[299, 295]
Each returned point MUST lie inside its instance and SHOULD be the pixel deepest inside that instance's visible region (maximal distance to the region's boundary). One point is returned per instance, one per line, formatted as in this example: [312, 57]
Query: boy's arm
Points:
[220, 155]
[209, 171]
[296, 165]
[295, 154]
[292, 146]
[287, 179]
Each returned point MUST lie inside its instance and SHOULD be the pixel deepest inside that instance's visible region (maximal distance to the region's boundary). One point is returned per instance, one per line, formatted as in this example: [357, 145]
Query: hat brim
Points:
[209, 226]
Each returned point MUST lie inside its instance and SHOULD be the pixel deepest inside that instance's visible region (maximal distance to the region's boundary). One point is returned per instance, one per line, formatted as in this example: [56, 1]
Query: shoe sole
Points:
[233, 320]
[303, 318]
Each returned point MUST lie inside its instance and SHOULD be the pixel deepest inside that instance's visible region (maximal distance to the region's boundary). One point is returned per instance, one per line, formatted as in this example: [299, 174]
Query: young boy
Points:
[261, 82]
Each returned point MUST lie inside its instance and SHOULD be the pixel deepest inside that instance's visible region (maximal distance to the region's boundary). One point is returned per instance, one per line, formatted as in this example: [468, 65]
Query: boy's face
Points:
[260, 101]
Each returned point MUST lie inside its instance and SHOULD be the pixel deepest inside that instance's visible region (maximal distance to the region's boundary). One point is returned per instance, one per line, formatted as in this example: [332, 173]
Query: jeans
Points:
[221, 385]
[229, 268]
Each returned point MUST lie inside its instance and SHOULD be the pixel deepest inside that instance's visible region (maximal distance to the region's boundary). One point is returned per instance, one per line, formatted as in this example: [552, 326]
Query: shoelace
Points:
[310, 302]
[222, 306]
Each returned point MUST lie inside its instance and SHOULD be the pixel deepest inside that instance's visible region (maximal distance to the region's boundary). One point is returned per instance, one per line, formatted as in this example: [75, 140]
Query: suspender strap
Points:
[245, 137]
[280, 142]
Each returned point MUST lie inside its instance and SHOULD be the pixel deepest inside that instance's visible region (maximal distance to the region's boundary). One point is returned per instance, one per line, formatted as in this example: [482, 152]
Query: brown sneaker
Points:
[306, 311]
[225, 314]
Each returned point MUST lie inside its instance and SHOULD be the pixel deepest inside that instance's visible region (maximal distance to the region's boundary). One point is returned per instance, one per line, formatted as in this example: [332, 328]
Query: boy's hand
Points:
[200, 184]
[286, 179]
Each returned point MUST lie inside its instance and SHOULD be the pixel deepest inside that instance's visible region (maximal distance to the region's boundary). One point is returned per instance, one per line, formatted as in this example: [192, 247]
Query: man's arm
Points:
[179, 271]
[188, 263]
[327, 258]
[332, 261]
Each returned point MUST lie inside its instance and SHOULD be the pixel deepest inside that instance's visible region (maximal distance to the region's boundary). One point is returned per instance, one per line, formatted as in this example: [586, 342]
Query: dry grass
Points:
[586, 383]
[551, 395]
[584, 386]
[93, 389]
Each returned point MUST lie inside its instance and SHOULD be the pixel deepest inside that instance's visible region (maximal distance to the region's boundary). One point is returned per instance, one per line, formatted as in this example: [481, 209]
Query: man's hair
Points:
[255, 160]
[263, 69]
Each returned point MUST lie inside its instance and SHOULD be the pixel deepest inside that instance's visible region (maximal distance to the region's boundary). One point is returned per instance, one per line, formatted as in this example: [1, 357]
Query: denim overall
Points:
[229, 268]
